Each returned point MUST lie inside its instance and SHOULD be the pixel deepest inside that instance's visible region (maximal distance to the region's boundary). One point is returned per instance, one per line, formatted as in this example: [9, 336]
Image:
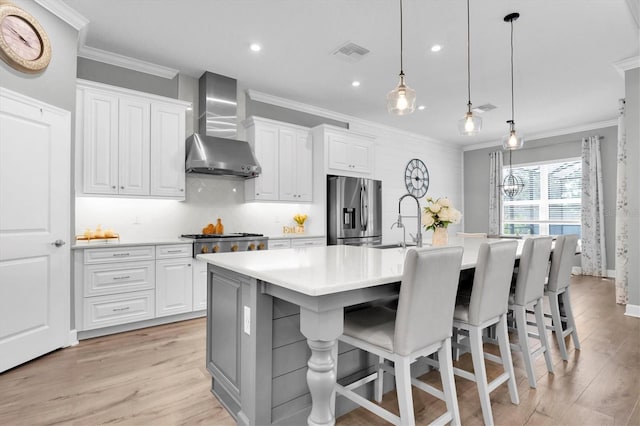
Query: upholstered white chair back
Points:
[532, 271]
[562, 261]
[427, 297]
[492, 280]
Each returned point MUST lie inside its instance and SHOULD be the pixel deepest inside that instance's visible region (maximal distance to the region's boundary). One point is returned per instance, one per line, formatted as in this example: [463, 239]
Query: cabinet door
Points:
[167, 150]
[360, 157]
[266, 150]
[100, 143]
[133, 146]
[304, 167]
[199, 285]
[287, 156]
[338, 152]
[174, 286]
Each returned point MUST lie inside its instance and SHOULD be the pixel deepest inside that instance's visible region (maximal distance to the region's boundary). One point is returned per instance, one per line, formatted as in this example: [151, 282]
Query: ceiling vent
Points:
[484, 108]
[350, 51]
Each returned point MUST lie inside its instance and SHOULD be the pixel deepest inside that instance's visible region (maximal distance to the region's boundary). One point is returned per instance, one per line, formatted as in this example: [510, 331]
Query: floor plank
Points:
[158, 376]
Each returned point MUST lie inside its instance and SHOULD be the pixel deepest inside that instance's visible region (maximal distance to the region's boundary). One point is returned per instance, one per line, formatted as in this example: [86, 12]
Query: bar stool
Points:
[488, 306]
[557, 289]
[529, 292]
[421, 326]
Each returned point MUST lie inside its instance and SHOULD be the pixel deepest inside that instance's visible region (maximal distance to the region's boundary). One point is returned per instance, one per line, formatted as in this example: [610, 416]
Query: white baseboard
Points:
[632, 311]
[73, 338]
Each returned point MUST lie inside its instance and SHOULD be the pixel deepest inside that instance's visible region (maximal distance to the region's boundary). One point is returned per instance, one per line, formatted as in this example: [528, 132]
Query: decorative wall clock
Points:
[416, 178]
[24, 44]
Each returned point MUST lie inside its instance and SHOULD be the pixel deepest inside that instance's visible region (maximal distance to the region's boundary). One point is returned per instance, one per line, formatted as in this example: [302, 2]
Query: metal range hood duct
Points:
[213, 149]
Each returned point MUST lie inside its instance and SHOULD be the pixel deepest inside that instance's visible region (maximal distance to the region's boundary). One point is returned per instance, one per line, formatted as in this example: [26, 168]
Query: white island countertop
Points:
[317, 271]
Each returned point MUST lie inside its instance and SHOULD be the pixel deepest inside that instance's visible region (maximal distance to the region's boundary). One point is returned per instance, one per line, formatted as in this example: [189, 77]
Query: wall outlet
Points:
[247, 320]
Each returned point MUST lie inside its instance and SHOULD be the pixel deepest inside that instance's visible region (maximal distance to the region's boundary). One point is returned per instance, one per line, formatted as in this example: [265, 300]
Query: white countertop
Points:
[82, 244]
[317, 271]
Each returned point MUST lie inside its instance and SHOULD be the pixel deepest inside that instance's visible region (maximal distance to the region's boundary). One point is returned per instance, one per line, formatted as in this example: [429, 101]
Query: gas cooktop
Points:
[205, 236]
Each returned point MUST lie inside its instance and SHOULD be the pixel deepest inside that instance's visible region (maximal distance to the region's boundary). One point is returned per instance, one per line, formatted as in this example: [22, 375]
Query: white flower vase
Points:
[440, 237]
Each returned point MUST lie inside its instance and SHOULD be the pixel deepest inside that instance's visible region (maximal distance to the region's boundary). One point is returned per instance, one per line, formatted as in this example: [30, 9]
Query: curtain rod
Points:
[542, 146]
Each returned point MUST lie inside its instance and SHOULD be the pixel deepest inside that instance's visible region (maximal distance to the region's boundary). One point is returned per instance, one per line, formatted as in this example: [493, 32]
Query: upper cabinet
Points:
[345, 152]
[284, 152]
[129, 143]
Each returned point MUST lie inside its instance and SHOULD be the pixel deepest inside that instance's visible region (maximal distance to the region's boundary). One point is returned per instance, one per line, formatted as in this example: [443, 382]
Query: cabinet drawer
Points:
[308, 242]
[119, 254]
[174, 250]
[104, 311]
[279, 244]
[122, 277]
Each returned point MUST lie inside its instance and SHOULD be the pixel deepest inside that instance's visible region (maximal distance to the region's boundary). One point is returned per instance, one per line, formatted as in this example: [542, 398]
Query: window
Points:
[550, 202]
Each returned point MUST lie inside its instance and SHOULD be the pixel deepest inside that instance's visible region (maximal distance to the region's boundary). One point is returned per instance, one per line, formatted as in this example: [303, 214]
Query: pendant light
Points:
[512, 140]
[470, 124]
[512, 185]
[402, 99]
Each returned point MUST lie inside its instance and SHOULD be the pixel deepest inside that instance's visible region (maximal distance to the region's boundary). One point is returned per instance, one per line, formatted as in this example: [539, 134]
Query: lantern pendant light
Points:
[512, 185]
[470, 124]
[402, 99]
[512, 140]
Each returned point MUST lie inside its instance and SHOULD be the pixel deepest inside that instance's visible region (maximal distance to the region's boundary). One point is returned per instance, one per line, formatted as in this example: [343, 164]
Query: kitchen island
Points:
[263, 305]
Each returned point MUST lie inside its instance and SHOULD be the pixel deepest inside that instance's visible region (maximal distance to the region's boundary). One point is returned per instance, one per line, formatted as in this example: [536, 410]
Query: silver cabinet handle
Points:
[113, 187]
[58, 243]
[126, 277]
[181, 189]
[121, 254]
[126, 308]
[122, 187]
[174, 251]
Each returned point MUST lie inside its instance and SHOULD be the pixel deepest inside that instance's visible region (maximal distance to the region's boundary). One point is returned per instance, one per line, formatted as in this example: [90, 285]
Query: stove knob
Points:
[204, 249]
[251, 247]
[216, 249]
[261, 246]
[234, 247]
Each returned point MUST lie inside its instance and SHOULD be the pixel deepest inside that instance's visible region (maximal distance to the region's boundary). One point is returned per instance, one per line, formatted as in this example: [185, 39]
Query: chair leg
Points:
[379, 382]
[403, 389]
[566, 299]
[542, 331]
[523, 341]
[507, 362]
[557, 324]
[456, 350]
[448, 382]
[477, 355]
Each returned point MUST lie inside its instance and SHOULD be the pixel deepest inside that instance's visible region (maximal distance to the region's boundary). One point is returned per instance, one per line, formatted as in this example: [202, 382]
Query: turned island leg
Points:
[321, 330]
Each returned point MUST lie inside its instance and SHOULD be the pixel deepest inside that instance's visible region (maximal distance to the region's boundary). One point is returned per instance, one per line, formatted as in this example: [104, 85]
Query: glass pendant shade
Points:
[512, 140]
[470, 124]
[402, 99]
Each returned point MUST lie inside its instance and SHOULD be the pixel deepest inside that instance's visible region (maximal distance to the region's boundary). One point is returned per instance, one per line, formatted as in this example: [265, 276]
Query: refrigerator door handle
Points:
[364, 208]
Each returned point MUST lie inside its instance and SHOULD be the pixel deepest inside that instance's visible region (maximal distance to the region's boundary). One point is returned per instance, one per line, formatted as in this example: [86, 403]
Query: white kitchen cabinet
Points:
[345, 152]
[174, 286]
[129, 143]
[284, 152]
[284, 243]
[199, 285]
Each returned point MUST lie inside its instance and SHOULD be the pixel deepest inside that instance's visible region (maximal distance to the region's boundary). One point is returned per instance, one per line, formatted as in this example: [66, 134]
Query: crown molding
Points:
[552, 133]
[65, 12]
[627, 64]
[126, 62]
[351, 120]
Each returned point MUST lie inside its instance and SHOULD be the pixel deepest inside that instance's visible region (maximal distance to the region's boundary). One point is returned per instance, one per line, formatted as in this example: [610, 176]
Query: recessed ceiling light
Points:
[436, 48]
[355, 83]
[255, 47]
[421, 107]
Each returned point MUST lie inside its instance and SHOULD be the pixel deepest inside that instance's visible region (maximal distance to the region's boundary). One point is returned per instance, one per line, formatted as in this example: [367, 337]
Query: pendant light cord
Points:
[512, 109]
[401, 67]
[468, 56]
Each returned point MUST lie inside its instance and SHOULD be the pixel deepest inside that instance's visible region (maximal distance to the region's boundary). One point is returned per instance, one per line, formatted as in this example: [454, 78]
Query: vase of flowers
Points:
[437, 216]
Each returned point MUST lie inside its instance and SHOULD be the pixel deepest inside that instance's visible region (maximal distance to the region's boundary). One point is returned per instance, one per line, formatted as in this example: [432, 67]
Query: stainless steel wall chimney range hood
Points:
[212, 150]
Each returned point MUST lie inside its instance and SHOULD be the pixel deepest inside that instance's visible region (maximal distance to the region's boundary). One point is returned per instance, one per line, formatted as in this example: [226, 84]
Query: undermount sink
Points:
[394, 245]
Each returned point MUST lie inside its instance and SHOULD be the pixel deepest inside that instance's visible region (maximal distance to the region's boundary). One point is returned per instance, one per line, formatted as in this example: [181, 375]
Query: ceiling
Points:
[564, 54]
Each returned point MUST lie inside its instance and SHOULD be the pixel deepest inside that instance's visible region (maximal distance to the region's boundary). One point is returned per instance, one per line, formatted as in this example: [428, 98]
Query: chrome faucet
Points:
[418, 238]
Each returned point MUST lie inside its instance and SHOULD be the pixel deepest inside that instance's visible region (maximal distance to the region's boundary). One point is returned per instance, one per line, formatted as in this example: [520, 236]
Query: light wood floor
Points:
[157, 376]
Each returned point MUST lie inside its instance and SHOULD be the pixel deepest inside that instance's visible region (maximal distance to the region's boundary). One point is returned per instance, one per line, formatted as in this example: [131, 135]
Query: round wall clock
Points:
[416, 178]
[23, 42]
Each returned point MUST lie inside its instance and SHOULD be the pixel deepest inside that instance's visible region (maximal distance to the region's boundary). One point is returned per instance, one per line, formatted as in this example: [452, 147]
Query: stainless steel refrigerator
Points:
[354, 211]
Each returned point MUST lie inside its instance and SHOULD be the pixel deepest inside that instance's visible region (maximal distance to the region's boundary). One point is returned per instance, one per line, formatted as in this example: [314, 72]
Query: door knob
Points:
[58, 243]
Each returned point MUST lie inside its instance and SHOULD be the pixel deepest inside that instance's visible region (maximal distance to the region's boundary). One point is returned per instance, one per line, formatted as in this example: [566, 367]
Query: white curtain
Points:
[495, 195]
[622, 214]
[594, 257]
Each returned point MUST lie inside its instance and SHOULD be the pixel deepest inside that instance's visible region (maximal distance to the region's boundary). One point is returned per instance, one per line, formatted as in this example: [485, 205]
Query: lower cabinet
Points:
[121, 285]
[284, 243]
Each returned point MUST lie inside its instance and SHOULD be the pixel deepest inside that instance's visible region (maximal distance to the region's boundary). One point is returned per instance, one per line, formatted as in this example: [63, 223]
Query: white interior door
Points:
[34, 214]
